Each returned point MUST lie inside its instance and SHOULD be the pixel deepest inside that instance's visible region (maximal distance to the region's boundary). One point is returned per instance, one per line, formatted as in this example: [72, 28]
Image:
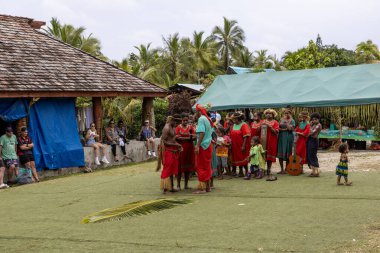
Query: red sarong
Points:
[187, 156]
[237, 141]
[170, 162]
[204, 170]
[301, 142]
[272, 141]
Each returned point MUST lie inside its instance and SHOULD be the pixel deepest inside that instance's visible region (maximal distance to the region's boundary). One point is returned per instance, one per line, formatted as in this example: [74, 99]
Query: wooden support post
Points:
[148, 111]
[98, 115]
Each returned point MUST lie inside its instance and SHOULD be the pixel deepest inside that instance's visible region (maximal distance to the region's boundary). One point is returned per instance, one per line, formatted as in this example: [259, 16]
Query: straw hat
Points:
[236, 115]
[304, 114]
[273, 112]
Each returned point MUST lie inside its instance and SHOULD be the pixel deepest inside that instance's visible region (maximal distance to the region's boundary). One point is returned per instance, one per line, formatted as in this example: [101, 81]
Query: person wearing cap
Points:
[302, 133]
[147, 134]
[8, 153]
[25, 153]
[112, 138]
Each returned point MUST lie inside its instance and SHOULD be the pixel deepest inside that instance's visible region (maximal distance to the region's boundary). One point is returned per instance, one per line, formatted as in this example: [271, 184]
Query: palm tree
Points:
[90, 45]
[125, 65]
[243, 58]
[367, 52]
[229, 38]
[204, 53]
[74, 37]
[276, 63]
[145, 62]
[165, 80]
[262, 61]
[147, 57]
[175, 55]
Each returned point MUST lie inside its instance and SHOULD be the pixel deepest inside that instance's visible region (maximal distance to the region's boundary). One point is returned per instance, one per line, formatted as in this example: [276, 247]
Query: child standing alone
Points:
[342, 168]
[257, 162]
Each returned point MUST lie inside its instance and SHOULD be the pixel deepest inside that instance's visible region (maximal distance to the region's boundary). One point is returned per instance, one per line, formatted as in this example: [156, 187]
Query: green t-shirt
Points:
[8, 147]
[204, 126]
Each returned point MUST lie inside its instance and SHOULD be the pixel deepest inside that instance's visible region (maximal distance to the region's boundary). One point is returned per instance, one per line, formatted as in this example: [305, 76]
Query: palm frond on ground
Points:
[138, 208]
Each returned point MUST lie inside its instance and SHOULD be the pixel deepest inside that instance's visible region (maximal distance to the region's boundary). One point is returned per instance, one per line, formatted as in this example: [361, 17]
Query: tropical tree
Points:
[125, 65]
[229, 38]
[367, 52]
[74, 37]
[165, 80]
[174, 54]
[262, 60]
[204, 52]
[276, 63]
[306, 58]
[145, 61]
[243, 58]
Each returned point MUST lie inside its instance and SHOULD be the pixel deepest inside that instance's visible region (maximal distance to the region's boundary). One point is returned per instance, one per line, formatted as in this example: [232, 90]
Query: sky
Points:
[275, 25]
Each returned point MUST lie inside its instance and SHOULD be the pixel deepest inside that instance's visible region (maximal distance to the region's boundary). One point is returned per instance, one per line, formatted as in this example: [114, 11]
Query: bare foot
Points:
[200, 192]
[348, 183]
[340, 184]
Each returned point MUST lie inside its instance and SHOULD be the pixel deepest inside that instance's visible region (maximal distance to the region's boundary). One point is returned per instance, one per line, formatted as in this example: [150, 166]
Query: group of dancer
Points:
[201, 144]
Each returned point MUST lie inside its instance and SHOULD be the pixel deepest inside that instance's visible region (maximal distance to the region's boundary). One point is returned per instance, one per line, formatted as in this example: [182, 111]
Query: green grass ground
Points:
[294, 214]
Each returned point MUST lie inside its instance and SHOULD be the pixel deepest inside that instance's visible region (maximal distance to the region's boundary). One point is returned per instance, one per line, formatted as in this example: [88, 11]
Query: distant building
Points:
[194, 89]
[240, 70]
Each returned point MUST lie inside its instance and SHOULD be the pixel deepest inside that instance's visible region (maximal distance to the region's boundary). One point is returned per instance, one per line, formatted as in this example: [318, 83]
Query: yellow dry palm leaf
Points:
[142, 207]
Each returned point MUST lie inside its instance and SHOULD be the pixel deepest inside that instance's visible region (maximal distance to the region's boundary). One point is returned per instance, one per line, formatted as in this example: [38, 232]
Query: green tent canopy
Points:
[338, 86]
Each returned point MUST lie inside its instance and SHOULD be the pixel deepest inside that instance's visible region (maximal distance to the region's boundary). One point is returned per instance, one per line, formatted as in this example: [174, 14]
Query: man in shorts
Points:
[8, 152]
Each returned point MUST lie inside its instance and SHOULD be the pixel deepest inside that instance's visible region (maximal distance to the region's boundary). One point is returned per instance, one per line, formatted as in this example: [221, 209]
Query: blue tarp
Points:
[54, 132]
[12, 109]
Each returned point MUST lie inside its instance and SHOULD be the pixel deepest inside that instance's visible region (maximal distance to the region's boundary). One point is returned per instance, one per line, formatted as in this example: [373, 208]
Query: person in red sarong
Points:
[256, 124]
[185, 134]
[203, 149]
[302, 133]
[240, 136]
[272, 135]
[170, 150]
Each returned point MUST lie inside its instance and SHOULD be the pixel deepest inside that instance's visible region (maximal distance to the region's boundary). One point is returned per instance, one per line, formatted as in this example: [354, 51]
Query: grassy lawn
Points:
[294, 214]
